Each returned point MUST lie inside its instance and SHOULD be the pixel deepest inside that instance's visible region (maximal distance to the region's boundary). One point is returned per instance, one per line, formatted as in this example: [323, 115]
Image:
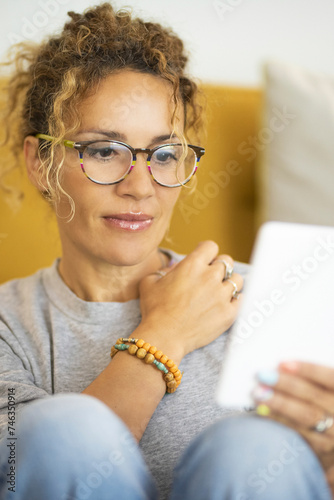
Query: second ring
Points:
[235, 294]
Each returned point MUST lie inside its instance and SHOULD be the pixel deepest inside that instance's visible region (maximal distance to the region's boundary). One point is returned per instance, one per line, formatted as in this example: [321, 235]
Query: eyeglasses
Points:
[109, 162]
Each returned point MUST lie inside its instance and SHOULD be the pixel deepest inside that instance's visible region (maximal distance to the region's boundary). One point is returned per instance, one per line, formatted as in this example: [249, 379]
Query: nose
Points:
[139, 183]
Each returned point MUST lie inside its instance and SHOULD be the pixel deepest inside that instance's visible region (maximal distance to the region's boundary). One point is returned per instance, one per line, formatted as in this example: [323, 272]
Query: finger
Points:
[233, 285]
[296, 410]
[303, 389]
[204, 253]
[327, 460]
[299, 415]
[321, 444]
[330, 475]
[160, 273]
[226, 263]
[322, 375]
[167, 269]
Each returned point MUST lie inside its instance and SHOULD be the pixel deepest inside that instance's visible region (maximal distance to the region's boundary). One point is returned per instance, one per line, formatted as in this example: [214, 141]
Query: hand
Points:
[191, 305]
[300, 395]
[330, 478]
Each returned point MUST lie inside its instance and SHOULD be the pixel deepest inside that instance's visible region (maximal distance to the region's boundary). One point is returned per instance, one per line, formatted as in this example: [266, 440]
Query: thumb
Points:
[164, 270]
[159, 274]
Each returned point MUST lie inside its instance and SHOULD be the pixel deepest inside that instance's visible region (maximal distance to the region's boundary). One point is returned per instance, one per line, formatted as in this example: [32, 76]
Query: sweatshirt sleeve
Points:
[17, 382]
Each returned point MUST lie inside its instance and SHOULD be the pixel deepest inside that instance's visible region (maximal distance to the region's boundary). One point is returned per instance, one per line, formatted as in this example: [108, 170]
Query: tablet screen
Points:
[287, 311]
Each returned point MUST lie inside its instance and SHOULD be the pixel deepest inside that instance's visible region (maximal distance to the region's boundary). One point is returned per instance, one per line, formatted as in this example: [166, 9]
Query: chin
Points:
[127, 257]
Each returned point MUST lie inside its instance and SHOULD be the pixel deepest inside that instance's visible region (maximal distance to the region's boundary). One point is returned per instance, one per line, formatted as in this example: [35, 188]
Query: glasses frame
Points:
[81, 146]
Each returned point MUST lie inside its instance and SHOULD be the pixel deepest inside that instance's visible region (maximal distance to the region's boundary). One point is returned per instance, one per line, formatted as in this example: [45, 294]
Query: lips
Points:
[130, 221]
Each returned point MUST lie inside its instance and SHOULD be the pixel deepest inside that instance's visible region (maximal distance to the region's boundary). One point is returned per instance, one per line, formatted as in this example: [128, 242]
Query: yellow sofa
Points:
[222, 208]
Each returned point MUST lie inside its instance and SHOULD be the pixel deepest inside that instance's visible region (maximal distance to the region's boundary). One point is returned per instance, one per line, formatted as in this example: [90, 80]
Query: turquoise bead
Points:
[160, 366]
[122, 347]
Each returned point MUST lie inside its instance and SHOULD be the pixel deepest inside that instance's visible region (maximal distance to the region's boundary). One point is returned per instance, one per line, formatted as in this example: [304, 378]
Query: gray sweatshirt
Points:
[53, 342]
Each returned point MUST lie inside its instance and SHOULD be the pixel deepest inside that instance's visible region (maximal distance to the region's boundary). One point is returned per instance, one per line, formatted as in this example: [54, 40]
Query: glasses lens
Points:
[172, 164]
[106, 162]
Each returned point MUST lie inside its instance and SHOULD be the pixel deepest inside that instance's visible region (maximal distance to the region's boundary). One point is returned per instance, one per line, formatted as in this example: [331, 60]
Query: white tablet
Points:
[287, 311]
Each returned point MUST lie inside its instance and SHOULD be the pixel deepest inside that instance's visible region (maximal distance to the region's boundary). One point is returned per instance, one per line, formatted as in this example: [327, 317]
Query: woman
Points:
[106, 114]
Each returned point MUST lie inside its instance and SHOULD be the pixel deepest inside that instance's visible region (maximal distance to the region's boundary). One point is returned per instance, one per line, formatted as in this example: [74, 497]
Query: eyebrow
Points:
[117, 136]
[110, 134]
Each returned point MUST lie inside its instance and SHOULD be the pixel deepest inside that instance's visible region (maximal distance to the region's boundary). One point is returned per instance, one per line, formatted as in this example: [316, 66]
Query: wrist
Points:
[150, 355]
[162, 339]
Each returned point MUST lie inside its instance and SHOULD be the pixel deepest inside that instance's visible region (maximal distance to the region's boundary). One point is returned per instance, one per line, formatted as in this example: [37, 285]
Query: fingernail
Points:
[268, 377]
[291, 366]
[262, 393]
[263, 410]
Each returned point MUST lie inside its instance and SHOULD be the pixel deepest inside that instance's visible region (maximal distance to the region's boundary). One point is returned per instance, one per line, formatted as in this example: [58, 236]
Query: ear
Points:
[33, 163]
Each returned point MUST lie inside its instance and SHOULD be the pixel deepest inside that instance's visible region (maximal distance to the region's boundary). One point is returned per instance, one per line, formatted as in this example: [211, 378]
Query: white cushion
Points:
[298, 150]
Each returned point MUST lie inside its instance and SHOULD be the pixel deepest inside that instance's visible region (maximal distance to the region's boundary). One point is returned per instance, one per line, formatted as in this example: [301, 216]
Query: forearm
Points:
[132, 388]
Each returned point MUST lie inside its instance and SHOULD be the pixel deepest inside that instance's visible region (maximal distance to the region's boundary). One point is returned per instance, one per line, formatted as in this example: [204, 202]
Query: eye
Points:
[166, 156]
[101, 152]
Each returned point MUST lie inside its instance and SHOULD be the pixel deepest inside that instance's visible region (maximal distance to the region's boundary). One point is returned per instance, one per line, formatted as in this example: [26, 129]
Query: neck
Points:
[96, 281]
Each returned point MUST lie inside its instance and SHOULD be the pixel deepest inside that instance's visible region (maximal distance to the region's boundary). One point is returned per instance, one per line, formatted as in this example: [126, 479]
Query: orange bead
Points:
[169, 363]
[158, 355]
[140, 343]
[149, 358]
[132, 349]
[173, 369]
[177, 373]
[152, 349]
[141, 353]
[146, 346]
[163, 359]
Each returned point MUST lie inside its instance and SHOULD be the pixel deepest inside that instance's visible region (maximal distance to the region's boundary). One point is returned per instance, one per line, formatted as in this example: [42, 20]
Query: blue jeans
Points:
[72, 447]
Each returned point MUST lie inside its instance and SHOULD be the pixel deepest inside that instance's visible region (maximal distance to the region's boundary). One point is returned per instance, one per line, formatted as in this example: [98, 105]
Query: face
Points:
[120, 224]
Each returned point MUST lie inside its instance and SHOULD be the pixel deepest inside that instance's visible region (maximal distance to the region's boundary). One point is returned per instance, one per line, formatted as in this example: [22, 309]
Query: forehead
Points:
[127, 100]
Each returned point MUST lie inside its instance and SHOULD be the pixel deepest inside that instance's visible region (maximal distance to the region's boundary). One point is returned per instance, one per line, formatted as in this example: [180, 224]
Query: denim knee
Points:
[68, 415]
[72, 425]
[73, 447]
[246, 458]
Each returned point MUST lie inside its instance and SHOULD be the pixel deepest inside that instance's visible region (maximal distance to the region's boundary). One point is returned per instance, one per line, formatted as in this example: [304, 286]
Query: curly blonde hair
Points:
[51, 78]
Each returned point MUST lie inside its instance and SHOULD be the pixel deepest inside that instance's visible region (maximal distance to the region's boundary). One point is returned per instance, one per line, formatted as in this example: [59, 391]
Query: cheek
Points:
[169, 200]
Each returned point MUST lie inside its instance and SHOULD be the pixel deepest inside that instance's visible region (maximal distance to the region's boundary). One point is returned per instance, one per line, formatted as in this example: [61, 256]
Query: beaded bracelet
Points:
[151, 355]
